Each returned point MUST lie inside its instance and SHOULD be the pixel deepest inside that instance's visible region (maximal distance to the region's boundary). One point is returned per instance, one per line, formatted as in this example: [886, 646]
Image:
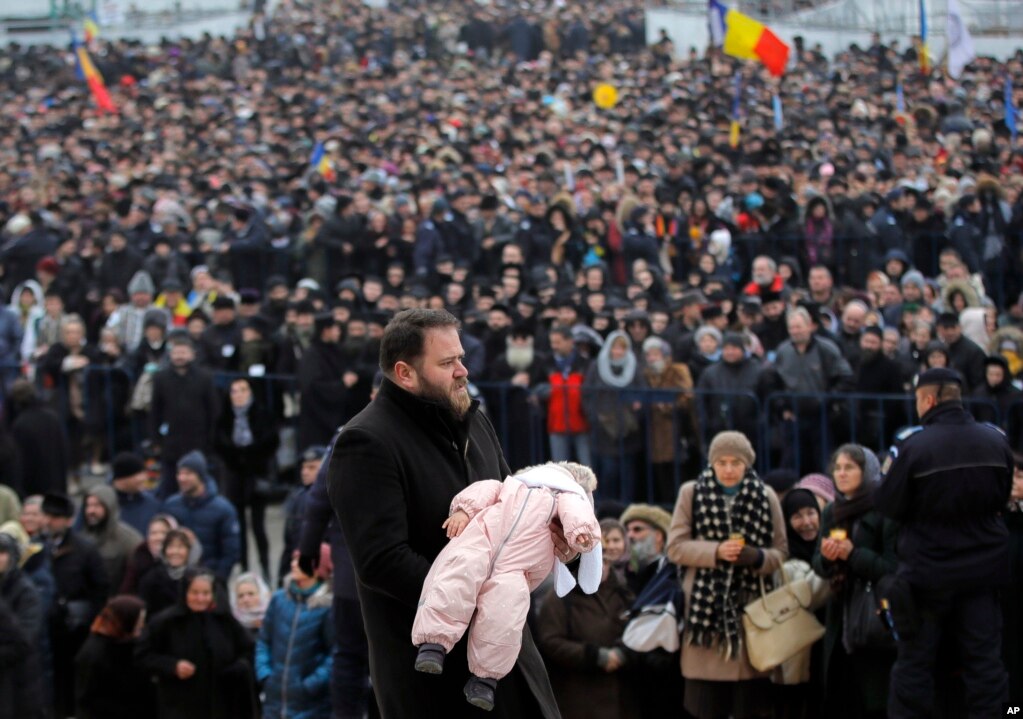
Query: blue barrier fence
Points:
[644, 442]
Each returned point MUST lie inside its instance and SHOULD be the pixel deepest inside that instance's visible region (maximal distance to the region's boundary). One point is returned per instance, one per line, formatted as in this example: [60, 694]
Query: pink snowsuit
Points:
[504, 553]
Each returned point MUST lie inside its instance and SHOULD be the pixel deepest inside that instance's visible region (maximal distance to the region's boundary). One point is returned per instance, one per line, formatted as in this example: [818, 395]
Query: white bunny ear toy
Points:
[577, 479]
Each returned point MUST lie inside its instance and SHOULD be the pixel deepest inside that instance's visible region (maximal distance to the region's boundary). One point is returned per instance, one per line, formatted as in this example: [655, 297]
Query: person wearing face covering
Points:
[797, 694]
[108, 683]
[198, 653]
[616, 437]
[856, 545]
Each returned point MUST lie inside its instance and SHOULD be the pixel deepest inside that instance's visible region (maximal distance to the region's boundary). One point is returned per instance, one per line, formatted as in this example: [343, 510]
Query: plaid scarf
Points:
[719, 594]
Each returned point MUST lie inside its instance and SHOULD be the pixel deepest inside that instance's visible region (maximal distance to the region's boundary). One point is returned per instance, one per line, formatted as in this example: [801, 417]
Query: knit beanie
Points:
[708, 330]
[127, 464]
[731, 444]
[196, 462]
[820, 484]
[913, 277]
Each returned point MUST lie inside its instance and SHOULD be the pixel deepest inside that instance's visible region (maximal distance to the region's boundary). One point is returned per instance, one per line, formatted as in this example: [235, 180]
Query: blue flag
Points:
[779, 119]
[900, 97]
[1010, 110]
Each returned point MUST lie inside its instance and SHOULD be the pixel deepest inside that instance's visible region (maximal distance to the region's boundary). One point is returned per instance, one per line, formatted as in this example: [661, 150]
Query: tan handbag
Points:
[778, 625]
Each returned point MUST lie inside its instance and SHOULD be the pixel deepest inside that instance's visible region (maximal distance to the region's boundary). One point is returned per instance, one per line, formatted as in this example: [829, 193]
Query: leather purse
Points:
[779, 625]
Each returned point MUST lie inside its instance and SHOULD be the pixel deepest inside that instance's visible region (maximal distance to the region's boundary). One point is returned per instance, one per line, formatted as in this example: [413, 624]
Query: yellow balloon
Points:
[605, 96]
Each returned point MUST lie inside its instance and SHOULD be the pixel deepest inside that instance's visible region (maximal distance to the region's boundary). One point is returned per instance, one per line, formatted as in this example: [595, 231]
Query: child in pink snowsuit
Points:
[489, 569]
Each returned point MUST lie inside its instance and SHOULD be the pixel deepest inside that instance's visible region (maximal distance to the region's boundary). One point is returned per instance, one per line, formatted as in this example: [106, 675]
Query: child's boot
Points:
[480, 692]
[430, 659]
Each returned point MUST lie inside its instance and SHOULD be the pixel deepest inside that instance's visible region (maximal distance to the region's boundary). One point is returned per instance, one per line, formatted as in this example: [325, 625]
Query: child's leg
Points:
[496, 634]
[451, 588]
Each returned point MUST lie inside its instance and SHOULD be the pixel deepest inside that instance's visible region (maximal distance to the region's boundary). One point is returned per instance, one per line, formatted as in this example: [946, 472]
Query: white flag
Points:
[960, 44]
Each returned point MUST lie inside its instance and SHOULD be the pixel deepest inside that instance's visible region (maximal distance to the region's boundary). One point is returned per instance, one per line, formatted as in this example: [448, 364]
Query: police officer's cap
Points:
[939, 376]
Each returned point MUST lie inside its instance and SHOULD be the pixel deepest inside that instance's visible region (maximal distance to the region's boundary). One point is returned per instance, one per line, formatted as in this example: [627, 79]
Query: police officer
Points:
[947, 484]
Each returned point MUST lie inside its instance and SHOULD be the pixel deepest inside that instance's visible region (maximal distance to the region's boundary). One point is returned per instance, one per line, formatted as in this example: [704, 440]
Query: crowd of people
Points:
[193, 306]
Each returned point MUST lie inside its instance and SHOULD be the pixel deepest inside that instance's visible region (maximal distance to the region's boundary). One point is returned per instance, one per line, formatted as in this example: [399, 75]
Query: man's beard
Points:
[519, 358]
[457, 403]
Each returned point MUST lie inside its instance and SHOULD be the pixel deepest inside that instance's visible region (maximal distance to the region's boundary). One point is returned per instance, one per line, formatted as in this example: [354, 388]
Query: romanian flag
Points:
[925, 61]
[751, 40]
[735, 131]
[91, 29]
[88, 72]
[321, 163]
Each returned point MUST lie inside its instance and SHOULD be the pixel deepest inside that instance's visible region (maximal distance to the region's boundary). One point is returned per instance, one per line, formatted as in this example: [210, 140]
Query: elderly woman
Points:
[728, 533]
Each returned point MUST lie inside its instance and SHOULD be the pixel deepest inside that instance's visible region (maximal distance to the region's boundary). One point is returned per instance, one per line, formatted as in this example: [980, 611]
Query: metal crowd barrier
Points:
[798, 431]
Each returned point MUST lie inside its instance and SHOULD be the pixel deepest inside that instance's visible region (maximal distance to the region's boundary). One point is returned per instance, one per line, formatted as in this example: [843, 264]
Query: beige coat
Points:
[692, 554]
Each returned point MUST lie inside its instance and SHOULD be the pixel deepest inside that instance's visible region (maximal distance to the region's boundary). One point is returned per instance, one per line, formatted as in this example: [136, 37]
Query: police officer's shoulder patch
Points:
[888, 461]
[904, 434]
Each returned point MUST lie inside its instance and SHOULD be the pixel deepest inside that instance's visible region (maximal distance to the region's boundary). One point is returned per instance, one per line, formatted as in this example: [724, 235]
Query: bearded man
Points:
[516, 373]
[395, 468]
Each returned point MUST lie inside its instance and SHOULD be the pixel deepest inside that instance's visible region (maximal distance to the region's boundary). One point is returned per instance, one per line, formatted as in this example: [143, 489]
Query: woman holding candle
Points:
[729, 534]
[856, 545]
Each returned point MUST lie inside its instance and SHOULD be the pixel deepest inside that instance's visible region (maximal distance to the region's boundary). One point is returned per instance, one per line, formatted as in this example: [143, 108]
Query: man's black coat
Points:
[395, 468]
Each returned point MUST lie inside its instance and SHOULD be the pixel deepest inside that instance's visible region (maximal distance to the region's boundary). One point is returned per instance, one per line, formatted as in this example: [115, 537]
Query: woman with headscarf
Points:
[250, 596]
[728, 534]
[616, 433]
[198, 654]
[797, 694]
[856, 546]
[293, 652]
[108, 683]
[580, 637]
[147, 553]
[161, 587]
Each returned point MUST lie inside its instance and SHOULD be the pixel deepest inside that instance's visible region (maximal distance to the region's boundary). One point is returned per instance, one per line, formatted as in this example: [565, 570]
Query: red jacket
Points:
[565, 407]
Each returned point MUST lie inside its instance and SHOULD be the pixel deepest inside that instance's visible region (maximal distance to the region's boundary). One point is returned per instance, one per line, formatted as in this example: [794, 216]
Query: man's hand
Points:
[561, 549]
[455, 523]
[349, 378]
[184, 669]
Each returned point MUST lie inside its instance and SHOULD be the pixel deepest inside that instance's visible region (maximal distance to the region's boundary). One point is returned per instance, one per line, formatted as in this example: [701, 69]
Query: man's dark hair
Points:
[405, 335]
[564, 332]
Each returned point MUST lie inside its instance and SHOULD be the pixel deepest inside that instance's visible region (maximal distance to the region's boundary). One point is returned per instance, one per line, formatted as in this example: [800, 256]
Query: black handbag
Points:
[863, 626]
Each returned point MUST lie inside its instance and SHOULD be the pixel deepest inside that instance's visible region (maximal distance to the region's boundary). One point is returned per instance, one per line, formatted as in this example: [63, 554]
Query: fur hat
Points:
[654, 516]
[731, 444]
[582, 474]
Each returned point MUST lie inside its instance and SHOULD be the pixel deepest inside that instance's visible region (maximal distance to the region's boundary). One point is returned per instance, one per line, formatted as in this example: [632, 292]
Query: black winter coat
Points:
[948, 486]
[187, 404]
[245, 464]
[219, 648]
[396, 467]
[158, 590]
[78, 571]
[21, 681]
[39, 435]
[108, 682]
[324, 395]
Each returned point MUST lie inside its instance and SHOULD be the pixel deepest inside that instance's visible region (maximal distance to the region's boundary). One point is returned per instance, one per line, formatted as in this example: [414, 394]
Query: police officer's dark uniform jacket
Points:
[947, 484]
